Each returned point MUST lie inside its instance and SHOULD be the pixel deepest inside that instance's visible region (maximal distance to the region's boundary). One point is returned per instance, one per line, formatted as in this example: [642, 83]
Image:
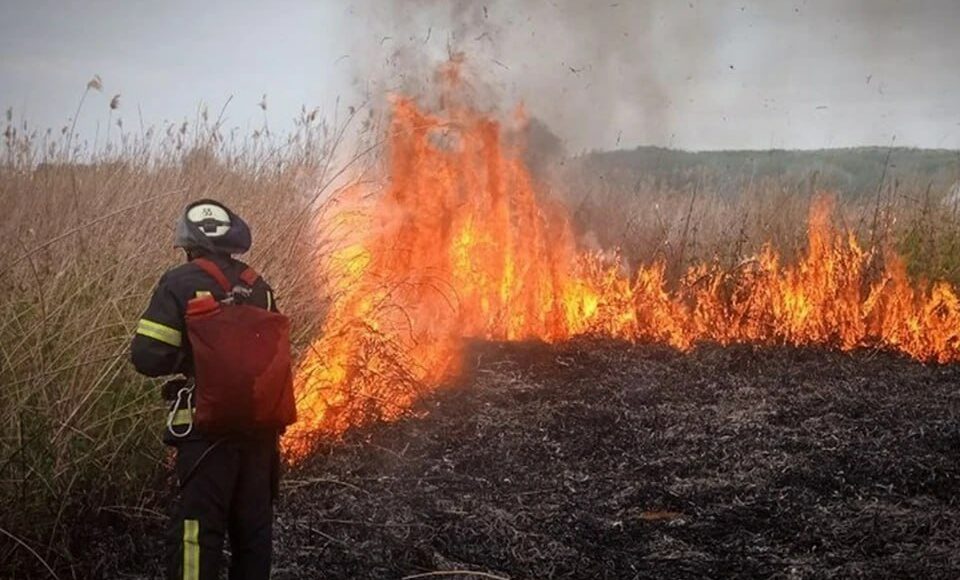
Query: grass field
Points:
[87, 231]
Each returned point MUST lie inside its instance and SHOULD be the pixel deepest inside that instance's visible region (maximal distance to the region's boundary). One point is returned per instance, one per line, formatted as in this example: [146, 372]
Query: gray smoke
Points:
[581, 67]
[618, 73]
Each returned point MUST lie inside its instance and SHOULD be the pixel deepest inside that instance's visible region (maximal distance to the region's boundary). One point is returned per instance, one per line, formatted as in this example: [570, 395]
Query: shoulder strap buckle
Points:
[248, 277]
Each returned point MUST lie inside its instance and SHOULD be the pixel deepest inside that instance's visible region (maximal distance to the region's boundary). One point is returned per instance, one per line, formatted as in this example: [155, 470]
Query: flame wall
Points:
[459, 245]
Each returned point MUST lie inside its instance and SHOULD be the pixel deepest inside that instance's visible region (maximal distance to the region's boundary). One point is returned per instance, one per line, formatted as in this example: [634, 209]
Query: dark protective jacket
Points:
[160, 346]
[227, 486]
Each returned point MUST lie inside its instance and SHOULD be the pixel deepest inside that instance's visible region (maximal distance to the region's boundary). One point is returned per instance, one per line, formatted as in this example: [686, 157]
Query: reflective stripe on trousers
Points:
[226, 487]
[191, 549]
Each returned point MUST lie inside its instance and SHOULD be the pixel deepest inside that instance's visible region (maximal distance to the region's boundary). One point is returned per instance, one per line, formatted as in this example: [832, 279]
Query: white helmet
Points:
[210, 226]
[212, 219]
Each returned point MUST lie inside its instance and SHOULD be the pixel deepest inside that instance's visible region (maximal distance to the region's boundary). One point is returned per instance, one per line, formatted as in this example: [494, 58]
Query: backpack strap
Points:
[214, 272]
[249, 276]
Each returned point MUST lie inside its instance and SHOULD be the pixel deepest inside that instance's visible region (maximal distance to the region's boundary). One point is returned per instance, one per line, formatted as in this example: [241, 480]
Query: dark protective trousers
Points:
[227, 489]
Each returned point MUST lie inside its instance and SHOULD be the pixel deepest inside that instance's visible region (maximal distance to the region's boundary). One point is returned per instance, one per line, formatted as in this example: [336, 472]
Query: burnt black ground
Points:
[600, 460]
[608, 461]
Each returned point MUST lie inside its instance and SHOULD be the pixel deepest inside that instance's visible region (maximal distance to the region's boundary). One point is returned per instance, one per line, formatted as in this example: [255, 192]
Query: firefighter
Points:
[228, 484]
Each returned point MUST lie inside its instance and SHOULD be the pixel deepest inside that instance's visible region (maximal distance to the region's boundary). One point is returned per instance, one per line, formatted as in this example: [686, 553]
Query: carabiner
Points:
[176, 409]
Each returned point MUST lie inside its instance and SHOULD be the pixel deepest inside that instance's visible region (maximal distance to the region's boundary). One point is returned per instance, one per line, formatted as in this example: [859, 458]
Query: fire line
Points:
[459, 245]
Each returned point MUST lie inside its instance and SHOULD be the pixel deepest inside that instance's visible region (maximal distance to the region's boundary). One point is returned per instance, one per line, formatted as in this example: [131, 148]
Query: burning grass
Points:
[460, 243]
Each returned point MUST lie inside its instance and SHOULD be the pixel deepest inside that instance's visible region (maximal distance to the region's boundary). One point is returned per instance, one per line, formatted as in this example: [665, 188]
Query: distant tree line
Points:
[851, 172]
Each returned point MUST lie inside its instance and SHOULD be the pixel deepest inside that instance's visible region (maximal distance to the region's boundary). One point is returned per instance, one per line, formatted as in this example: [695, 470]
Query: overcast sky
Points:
[616, 73]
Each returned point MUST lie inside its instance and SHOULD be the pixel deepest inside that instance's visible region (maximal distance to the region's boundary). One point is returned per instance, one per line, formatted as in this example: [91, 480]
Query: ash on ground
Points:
[600, 460]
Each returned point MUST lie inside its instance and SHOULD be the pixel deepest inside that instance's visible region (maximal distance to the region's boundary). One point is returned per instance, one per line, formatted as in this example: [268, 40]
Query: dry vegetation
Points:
[708, 215]
[86, 232]
[85, 235]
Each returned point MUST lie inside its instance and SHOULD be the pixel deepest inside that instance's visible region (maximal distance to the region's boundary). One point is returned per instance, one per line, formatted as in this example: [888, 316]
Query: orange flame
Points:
[459, 245]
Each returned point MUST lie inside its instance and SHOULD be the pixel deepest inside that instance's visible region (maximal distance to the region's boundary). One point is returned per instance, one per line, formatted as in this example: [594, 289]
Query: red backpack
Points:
[241, 357]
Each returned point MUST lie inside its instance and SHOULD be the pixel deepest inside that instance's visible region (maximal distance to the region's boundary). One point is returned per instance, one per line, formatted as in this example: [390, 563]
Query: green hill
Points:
[852, 171]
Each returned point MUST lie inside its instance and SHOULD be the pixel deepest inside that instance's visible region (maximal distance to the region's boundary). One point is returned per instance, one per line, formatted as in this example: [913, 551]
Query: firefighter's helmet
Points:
[210, 226]
[211, 218]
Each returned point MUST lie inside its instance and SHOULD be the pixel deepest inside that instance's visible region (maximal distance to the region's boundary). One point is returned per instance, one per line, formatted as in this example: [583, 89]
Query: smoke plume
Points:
[619, 73]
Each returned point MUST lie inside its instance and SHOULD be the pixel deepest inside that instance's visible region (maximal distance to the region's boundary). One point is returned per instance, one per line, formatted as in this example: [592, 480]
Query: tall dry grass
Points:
[87, 228]
[717, 218]
[85, 234]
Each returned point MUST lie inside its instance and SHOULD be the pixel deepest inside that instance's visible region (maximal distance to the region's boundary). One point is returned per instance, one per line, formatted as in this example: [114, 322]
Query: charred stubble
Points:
[602, 460]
